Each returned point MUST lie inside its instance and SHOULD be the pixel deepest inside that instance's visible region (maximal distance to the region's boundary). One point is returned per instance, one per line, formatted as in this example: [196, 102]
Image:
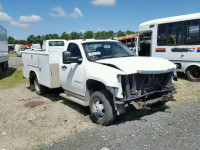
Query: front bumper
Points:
[162, 100]
[171, 90]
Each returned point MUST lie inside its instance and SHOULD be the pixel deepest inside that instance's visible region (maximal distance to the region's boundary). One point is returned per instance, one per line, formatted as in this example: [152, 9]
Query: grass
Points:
[12, 56]
[11, 78]
[186, 91]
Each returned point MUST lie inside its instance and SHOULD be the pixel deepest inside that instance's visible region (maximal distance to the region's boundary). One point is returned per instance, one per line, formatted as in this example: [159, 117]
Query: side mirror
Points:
[67, 57]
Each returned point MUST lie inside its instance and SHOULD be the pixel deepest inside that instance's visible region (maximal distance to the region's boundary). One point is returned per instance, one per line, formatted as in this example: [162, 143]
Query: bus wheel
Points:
[193, 73]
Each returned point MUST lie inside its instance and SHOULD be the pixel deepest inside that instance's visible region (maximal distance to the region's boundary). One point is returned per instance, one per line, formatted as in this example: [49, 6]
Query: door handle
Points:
[64, 67]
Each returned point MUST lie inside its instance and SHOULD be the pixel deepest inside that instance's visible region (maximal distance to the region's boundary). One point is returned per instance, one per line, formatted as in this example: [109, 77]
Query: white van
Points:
[20, 50]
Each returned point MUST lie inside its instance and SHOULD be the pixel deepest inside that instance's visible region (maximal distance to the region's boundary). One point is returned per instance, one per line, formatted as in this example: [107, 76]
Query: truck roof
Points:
[83, 40]
[93, 40]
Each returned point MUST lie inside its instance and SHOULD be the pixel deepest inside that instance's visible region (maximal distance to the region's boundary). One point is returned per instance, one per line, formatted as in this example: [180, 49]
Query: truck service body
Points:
[3, 49]
[176, 39]
[102, 74]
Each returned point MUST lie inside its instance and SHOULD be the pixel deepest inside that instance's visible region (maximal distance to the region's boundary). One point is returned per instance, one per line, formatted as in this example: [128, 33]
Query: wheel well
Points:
[191, 66]
[94, 85]
[32, 76]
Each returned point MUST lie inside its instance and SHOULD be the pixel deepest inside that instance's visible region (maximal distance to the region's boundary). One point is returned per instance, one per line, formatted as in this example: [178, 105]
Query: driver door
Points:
[72, 75]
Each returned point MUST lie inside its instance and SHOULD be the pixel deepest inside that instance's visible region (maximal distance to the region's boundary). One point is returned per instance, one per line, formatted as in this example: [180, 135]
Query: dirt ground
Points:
[29, 121]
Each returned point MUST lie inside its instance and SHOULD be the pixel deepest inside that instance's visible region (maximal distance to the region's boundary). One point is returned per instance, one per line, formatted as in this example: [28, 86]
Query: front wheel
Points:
[102, 108]
[193, 73]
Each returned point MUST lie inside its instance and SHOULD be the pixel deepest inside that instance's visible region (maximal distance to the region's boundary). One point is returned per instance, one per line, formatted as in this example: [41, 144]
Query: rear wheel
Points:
[193, 73]
[102, 108]
[39, 89]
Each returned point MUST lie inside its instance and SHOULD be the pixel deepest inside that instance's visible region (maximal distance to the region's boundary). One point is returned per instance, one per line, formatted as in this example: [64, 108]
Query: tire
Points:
[193, 73]
[6, 65]
[39, 89]
[102, 108]
[31, 87]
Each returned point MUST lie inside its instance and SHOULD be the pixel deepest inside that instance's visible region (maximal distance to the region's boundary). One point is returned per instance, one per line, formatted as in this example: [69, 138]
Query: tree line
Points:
[70, 36]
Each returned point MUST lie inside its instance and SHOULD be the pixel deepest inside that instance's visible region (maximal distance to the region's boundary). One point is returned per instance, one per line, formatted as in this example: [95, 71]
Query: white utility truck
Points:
[102, 74]
[3, 49]
[176, 39]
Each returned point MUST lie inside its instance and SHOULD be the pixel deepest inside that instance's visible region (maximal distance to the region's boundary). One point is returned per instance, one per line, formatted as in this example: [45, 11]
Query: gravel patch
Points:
[176, 128]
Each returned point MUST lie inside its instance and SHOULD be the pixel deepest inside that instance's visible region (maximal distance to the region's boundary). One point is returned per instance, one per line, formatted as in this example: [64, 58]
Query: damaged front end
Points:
[143, 90]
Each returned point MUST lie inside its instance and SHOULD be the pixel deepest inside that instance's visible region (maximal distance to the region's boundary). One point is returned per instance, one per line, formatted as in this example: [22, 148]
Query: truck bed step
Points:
[74, 99]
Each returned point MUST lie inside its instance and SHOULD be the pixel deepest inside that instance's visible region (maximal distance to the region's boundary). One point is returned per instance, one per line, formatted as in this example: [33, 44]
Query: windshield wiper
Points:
[128, 56]
[108, 57]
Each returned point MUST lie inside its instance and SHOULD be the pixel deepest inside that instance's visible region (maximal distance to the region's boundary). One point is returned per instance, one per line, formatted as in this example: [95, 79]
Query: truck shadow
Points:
[54, 97]
[7, 73]
[182, 76]
[133, 114]
[130, 115]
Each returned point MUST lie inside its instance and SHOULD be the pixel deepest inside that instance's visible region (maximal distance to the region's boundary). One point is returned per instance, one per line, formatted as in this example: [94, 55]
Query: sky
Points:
[22, 18]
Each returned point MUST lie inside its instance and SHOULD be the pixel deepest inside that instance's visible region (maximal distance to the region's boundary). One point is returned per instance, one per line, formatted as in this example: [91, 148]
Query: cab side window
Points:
[74, 49]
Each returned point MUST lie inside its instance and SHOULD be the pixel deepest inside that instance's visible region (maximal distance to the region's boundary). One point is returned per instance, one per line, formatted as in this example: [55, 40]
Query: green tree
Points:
[55, 36]
[88, 35]
[120, 33]
[11, 40]
[65, 36]
[128, 32]
[74, 35]
[23, 42]
[101, 35]
[110, 34]
[39, 39]
[48, 36]
[81, 35]
[31, 39]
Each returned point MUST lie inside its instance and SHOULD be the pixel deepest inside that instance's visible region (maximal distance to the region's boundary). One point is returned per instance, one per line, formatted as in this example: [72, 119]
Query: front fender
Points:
[105, 74]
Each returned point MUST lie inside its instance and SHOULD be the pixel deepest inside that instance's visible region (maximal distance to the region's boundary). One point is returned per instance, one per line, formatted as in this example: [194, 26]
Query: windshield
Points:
[104, 50]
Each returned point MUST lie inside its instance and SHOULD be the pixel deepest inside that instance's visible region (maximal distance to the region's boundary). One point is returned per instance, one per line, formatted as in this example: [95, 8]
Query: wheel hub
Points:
[98, 108]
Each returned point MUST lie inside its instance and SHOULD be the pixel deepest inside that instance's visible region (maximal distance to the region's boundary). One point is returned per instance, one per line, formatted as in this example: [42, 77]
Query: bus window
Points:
[179, 33]
[192, 35]
[162, 35]
[145, 44]
[191, 32]
[174, 34]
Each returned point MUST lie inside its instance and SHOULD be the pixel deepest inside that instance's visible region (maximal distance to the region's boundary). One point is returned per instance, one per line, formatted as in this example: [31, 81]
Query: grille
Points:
[141, 84]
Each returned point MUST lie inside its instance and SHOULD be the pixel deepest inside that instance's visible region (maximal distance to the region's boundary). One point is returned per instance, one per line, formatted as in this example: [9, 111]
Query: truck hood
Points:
[144, 65]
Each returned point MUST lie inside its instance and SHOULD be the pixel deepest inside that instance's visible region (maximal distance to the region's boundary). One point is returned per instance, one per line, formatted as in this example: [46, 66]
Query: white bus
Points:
[176, 39]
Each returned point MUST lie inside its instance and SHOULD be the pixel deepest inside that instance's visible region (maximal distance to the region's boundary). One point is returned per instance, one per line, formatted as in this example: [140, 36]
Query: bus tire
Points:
[193, 73]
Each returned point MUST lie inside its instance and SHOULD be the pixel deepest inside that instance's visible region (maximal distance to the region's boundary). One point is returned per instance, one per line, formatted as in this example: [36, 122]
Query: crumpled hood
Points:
[146, 65]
